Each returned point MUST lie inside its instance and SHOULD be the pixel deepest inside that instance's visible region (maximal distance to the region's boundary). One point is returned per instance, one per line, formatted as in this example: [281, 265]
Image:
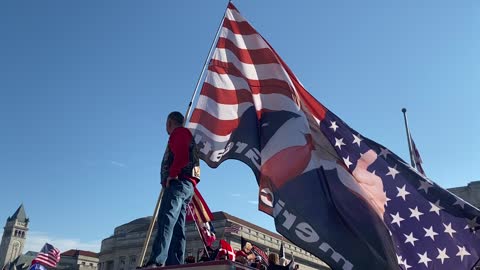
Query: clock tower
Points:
[14, 236]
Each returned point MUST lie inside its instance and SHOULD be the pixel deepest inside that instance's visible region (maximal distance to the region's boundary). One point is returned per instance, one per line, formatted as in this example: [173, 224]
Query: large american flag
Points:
[48, 256]
[361, 206]
[431, 228]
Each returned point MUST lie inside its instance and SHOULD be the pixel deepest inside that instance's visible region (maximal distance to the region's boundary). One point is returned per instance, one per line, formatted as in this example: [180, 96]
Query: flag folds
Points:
[37, 267]
[48, 256]
[225, 251]
[417, 159]
[198, 211]
[335, 193]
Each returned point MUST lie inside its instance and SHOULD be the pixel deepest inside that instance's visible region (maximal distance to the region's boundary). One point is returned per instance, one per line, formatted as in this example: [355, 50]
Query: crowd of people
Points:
[247, 257]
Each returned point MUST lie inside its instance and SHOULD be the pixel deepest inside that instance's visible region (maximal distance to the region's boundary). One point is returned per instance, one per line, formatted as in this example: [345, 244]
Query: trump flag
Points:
[331, 191]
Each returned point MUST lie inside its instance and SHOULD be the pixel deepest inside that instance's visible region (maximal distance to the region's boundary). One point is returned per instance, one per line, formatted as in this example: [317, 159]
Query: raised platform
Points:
[213, 265]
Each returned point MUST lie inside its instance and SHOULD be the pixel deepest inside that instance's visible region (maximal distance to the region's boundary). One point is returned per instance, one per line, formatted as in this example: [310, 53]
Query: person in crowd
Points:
[274, 262]
[246, 252]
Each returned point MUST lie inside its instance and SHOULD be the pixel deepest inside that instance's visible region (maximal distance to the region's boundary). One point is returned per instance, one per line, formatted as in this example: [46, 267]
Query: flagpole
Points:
[198, 228]
[409, 138]
[157, 207]
[205, 64]
[150, 229]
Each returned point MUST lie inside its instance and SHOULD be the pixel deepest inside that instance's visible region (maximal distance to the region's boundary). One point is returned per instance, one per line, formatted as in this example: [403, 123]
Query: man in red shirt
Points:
[180, 172]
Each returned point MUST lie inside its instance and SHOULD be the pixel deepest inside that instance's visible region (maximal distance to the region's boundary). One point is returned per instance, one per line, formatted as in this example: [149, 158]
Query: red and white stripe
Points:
[225, 250]
[258, 251]
[198, 209]
[234, 228]
[244, 72]
[49, 259]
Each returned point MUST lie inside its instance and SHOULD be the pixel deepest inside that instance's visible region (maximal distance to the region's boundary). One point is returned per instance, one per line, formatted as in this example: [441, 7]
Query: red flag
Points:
[199, 209]
[208, 234]
[199, 212]
[225, 250]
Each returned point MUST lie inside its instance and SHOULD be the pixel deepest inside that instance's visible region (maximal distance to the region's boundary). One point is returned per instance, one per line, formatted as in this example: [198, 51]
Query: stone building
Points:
[75, 259]
[14, 236]
[470, 193]
[121, 251]
[13, 242]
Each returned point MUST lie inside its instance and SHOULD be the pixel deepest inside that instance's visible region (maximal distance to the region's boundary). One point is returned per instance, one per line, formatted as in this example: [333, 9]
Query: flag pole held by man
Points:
[344, 198]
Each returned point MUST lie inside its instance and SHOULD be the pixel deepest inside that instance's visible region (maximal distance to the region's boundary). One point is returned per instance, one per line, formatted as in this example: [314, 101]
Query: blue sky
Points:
[85, 87]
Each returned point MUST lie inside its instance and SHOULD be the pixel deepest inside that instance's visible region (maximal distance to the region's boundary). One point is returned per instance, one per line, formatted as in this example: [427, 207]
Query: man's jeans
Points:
[169, 245]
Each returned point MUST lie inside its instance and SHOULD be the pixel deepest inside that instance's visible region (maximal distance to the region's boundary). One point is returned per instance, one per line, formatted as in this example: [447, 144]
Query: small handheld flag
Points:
[48, 256]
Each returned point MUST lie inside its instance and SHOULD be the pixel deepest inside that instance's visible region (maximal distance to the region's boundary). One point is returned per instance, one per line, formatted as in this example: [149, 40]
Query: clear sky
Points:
[85, 87]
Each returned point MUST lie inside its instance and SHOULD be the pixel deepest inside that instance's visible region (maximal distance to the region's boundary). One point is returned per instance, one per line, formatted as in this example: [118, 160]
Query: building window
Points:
[122, 263]
[133, 260]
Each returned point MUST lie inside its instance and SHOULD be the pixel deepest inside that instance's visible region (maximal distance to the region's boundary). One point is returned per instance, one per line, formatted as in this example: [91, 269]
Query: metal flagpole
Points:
[159, 201]
[205, 64]
[409, 138]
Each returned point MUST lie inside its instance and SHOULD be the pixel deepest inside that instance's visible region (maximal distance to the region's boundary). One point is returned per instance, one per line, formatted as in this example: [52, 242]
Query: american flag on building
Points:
[233, 228]
[48, 256]
[354, 198]
[417, 159]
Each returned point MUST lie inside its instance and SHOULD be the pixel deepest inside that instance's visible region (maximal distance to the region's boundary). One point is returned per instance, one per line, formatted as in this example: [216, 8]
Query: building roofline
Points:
[77, 252]
[221, 214]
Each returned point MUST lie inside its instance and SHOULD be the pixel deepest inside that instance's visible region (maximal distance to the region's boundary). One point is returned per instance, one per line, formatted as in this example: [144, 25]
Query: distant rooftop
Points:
[222, 215]
[76, 253]
[142, 224]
